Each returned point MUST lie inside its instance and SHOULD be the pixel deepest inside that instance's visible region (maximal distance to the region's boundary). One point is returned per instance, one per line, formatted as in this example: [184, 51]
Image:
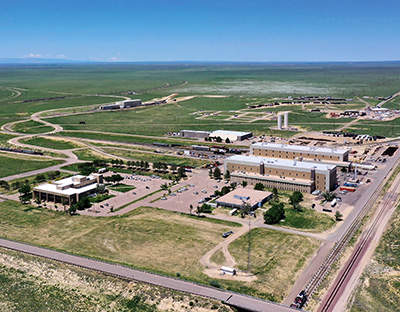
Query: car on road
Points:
[226, 234]
[195, 192]
[147, 187]
[368, 180]
[215, 186]
[101, 206]
[172, 194]
[204, 191]
[343, 192]
[163, 198]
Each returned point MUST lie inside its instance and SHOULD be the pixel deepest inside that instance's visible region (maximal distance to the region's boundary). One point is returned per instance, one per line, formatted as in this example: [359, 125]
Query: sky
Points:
[201, 30]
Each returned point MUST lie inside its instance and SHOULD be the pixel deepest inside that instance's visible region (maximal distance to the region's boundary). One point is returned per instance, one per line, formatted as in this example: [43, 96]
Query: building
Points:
[194, 134]
[129, 103]
[287, 174]
[70, 189]
[239, 197]
[299, 152]
[110, 107]
[231, 135]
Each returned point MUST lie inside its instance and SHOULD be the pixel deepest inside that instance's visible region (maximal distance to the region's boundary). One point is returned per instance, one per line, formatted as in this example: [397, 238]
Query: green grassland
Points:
[371, 127]
[11, 164]
[307, 219]
[379, 287]
[31, 283]
[50, 143]
[4, 137]
[31, 127]
[155, 157]
[393, 104]
[273, 256]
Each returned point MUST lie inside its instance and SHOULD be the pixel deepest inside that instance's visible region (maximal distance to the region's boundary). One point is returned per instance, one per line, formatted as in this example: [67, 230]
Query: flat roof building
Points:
[289, 151]
[129, 103]
[195, 134]
[231, 135]
[70, 189]
[239, 197]
[287, 174]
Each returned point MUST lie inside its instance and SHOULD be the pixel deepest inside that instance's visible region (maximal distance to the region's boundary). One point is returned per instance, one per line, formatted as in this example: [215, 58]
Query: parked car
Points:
[226, 234]
[163, 198]
[195, 192]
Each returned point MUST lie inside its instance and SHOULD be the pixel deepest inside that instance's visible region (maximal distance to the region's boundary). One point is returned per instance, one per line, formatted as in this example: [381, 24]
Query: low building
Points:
[239, 197]
[286, 174]
[69, 190]
[299, 152]
[231, 135]
[194, 134]
[129, 103]
[110, 107]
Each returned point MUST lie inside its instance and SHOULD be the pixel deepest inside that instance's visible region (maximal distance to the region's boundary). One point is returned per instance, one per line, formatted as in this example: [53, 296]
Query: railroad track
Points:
[340, 245]
[363, 242]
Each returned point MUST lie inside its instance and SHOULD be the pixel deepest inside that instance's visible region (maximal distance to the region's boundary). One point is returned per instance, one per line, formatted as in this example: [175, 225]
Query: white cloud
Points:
[61, 56]
[33, 55]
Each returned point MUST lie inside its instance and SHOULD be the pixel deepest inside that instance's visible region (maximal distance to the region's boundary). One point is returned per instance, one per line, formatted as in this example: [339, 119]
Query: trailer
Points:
[347, 188]
[228, 270]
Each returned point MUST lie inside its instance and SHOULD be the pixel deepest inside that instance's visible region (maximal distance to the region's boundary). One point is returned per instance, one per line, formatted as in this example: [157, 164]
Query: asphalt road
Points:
[237, 300]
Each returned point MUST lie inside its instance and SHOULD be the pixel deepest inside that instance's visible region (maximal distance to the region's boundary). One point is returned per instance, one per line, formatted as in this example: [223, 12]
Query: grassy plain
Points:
[155, 157]
[11, 164]
[31, 127]
[31, 283]
[51, 143]
[160, 241]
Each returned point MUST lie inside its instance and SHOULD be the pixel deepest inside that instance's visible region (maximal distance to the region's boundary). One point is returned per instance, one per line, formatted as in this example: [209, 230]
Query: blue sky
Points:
[202, 30]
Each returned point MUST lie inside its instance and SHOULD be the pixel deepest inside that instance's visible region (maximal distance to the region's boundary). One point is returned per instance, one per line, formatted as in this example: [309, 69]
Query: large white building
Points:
[281, 173]
[300, 152]
[69, 190]
[231, 135]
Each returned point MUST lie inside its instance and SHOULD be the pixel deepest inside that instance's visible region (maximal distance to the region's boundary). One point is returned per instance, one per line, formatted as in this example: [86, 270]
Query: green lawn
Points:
[4, 137]
[51, 143]
[25, 163]
[123, 188]
[32, 127]
[307, 219]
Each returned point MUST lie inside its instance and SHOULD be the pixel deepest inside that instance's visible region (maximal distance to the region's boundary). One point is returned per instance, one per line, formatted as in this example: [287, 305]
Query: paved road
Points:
[237, 300]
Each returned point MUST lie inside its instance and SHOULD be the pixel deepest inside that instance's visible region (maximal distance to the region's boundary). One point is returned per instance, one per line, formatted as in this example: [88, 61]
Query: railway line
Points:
[341, 244]
[327, 305]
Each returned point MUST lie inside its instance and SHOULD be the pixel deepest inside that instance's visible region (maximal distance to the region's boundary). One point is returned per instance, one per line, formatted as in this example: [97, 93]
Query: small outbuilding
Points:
[239, 197]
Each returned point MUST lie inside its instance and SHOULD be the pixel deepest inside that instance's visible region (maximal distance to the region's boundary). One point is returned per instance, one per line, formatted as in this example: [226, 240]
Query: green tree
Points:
[191, 209]
[72, 209]
[25, 193]
[218, 139]
[38, 201]
[227, 140]
[244, 183]
[101, 189]
[40, 178]
[199, 210]
[338, 215]
[181, 172]
[4, 184]
[227, 175]
[275, 193]
[259, 186]
[217, 173]
[274, 214]
[328, 196]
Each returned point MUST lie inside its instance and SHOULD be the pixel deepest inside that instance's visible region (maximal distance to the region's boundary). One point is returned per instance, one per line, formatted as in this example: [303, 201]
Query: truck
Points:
[333, 202]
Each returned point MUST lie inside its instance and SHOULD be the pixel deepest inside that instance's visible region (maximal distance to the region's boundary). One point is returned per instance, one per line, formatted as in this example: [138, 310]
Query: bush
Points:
[215, 283]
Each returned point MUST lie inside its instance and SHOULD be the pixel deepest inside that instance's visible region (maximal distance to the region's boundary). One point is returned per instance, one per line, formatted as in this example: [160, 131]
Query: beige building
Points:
[309, 153]
[241, 196]
[287, 174]
[69, 190]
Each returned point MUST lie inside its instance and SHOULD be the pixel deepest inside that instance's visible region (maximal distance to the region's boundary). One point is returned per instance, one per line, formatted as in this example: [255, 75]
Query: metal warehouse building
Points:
[195, 134]
[231, 135]
[282, 173]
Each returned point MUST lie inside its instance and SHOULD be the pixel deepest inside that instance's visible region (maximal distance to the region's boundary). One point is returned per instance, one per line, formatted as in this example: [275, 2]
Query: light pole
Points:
[247, 209]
